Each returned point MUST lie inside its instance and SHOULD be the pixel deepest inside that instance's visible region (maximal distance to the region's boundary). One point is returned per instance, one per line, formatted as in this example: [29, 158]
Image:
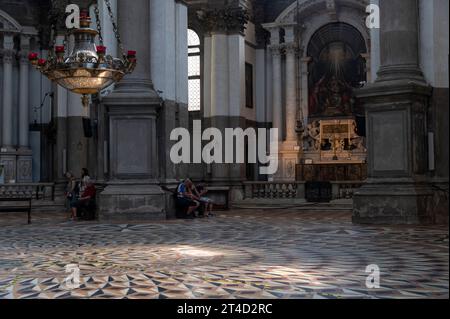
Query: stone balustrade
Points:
[295, 190]
[274, 190]
[38, 191]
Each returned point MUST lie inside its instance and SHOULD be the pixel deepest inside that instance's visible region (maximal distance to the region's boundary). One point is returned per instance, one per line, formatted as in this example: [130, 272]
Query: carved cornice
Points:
[227, 20]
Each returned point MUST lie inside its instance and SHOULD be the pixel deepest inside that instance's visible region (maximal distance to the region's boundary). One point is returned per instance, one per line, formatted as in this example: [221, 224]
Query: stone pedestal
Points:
[288, 159]
[24, 166]
[397, 191]
[18, 166]
[132, 192]
[132, 201]
[9, 163]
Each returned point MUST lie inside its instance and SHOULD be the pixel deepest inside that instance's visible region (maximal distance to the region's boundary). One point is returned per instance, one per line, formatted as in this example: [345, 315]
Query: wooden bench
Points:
[12, 207]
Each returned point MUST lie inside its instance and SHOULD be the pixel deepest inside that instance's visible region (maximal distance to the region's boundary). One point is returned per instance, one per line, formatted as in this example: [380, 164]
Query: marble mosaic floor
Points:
[241, 254]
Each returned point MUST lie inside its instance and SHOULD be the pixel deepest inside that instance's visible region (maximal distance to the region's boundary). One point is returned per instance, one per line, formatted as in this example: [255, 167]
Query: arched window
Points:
[194, 71]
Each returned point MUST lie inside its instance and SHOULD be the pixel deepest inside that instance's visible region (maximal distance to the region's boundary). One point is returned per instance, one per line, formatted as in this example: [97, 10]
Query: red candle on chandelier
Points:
[42, 62]
[59, 49]
[32, 56]
[101, 49]
[131, 53]
[84, 14]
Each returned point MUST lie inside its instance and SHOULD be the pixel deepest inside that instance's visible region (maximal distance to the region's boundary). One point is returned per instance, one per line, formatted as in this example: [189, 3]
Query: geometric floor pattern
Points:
[239, 254]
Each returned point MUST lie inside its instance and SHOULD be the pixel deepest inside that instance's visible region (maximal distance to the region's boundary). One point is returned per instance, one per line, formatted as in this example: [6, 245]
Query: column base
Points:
[129, 201]
[394, 202]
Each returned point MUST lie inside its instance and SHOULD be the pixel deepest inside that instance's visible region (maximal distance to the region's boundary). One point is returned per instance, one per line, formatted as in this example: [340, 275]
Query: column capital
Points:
[274, 30]
[8, 56]
[224, 20]
[25, 42]
[291, 48]
[276, 50]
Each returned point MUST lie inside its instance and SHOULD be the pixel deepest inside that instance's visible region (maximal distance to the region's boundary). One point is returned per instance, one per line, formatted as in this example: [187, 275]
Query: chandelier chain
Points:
[115, 28]
[99, 24]
[53, 25]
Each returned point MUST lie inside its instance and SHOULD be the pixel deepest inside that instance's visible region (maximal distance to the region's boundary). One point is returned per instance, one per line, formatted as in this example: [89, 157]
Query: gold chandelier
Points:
[87, 69]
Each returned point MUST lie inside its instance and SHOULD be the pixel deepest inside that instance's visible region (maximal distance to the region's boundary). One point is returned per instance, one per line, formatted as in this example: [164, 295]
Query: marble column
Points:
[7, 121]
[304, 88]
[133, 109]
[24, 94]
[397, 190]
[134, 26]
[219, 75]
[24, 156]
[290, 151]
[291, 92]
[277, 121]
[399, 41]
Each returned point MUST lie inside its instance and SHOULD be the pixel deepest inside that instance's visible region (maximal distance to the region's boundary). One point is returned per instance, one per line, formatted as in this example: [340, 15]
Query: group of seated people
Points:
[193, 201]
[81, 196]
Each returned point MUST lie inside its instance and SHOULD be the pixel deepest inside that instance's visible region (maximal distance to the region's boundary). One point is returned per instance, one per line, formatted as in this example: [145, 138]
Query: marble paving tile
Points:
[236, 255]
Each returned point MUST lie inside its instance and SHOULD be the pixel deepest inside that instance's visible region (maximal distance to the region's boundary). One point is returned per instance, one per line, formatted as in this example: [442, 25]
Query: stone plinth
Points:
[132, 201]
[397, 191]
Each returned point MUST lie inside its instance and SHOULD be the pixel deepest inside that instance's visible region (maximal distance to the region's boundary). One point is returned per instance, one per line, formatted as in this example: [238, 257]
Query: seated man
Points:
[186, 199]
[87, 197]
[208, 204]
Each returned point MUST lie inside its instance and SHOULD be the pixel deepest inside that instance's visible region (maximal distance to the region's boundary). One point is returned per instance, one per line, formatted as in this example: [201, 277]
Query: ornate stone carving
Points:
[9, 164]
[290, 48]
[229, 20]
[8, 56]
[276, 50]
[311, 137]
[24, 170]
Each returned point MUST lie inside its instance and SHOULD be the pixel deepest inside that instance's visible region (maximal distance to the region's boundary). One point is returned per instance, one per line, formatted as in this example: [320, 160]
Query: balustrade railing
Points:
[274, 190]
[37, 191]
[296, 190]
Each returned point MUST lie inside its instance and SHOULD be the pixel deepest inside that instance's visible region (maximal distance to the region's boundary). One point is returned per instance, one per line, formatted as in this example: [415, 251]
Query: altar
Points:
[333, 151]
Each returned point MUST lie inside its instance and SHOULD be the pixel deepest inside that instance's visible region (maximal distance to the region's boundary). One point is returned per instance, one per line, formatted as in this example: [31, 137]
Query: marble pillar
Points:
[290, 151]
[132, 191]
[304, 88]
[397, 190]
[291, 92]
[7, 94]
[8, 155]
[24, 94]
[24, 156]
[277, 113]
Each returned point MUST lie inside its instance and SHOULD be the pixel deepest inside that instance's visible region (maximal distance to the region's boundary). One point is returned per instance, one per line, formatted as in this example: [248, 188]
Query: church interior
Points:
[356, 89]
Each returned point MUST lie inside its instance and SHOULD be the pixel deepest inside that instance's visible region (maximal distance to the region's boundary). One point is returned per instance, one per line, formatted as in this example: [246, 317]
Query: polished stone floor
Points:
[240, 254]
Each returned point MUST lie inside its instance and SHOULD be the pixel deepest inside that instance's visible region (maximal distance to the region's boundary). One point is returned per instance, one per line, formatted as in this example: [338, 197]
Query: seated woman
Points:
[201, 192]
[86, 198]
[186, 199]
